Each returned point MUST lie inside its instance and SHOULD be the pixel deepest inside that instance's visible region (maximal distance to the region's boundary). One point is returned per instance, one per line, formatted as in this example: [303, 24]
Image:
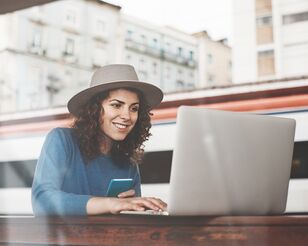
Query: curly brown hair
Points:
[86, 128]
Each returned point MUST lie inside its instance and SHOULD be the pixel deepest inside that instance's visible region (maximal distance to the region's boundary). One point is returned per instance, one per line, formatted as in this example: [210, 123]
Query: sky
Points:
[214, 16]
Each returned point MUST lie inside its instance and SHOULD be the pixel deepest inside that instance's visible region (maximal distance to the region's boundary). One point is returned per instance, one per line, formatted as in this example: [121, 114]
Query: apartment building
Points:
[215, 60]
[163, 55]
[270, 39]
[48, 52]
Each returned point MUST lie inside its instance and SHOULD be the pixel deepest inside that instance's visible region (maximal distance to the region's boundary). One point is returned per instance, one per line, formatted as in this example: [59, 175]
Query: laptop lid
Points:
[230, 163]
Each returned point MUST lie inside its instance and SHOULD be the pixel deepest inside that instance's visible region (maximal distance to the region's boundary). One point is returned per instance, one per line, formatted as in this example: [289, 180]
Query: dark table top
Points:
[156, 230]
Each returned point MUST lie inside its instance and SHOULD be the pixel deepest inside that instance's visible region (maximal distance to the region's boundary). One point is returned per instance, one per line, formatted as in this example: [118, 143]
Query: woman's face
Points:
[120, 113]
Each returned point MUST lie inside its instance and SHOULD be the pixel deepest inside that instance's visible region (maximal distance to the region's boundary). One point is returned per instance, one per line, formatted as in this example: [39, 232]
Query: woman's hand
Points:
[127, 194]
[136, 204]
[104, 205]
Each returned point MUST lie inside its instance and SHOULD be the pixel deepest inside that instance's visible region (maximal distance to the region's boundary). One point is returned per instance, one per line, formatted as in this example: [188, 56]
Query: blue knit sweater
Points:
[63, 183]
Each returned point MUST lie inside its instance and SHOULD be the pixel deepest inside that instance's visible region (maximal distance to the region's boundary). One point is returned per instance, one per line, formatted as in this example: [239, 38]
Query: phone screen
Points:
[117, 186]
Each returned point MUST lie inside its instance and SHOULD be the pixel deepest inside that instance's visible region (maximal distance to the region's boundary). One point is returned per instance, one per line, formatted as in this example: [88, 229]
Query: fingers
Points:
[150, 202]
[137, 204]
[124, 205]
[129, 193]
[132, 206]
[158, 202]
[146, 203]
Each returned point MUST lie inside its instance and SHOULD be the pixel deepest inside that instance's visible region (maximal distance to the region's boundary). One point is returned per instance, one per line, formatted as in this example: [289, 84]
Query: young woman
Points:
[112, 120]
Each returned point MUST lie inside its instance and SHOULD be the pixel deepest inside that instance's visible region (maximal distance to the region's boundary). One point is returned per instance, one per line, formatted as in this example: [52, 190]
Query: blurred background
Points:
[238, 55]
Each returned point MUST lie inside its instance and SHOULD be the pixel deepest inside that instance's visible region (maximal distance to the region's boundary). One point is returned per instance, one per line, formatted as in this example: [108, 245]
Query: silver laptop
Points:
[230, 163]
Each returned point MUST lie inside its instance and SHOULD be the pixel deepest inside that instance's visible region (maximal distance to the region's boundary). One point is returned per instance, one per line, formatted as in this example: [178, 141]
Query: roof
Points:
[14, 5]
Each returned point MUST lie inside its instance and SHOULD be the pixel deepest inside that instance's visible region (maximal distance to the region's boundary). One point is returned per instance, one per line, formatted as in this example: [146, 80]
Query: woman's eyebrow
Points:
[119, 101]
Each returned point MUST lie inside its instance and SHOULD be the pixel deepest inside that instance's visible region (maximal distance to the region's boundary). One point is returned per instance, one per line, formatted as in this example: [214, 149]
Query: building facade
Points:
[215, 61]
[270, 39]
[163, 55]
[48, 53]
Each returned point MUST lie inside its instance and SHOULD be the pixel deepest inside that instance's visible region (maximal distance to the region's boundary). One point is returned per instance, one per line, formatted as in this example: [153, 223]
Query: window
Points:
[15, 174]
[156, 167]
[266, 63]
[263, 6]
[264, 30]
[54, 88]
[293, 18]
[266, 53]
[154, 68]
[70, 17]
[209, 59]
[154, 43]
[191, 55]
[299, 168]
[264, 21]
[69, 46]
[180, 50]
[180, 84]
[99, 55]
[143, 75]
[180, 81]
[36, 39]
[143, 39]
[210, 78]
[129, 34]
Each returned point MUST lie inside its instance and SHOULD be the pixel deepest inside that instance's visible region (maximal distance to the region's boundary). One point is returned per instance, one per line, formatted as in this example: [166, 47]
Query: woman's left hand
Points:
[104, 205]
[127, 194]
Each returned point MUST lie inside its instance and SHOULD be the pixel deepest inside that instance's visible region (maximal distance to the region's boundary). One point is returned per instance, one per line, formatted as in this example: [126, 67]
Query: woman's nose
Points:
[125, 114]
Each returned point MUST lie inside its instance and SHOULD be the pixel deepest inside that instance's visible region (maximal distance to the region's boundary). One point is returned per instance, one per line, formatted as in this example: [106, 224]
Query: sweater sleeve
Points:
[47, 196]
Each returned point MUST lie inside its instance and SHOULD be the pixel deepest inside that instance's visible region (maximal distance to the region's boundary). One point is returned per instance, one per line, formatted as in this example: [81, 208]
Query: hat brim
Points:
[152, 94]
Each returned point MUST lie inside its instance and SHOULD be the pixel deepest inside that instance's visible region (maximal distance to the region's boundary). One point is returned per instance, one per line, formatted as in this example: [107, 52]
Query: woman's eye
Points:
[116, 105]
[135, 109]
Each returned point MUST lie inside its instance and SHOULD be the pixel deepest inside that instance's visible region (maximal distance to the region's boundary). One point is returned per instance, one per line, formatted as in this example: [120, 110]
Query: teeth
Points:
[120, 126]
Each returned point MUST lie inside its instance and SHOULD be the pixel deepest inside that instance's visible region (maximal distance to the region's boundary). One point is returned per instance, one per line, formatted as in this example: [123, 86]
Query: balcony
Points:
[69, 57]
[38, 16]
[37, 50]
[101, 37]
[179, 59]
[159, 53]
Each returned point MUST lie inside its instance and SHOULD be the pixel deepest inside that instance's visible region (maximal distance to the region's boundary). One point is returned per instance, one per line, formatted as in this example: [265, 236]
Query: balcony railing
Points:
[159, 53]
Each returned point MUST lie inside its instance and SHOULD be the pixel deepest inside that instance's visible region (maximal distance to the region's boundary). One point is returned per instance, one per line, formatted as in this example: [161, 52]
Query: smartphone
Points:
[117, 186]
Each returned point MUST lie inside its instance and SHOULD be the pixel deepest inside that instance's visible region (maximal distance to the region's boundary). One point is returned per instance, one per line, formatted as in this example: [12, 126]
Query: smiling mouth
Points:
[120, 126]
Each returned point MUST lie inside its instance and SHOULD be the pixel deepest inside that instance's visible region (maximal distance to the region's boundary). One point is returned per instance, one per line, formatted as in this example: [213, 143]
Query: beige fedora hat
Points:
[111, 77]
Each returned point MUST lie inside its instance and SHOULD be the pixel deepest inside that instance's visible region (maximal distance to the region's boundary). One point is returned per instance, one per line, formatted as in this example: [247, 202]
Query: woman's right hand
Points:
[104, 205]
[136, 204]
